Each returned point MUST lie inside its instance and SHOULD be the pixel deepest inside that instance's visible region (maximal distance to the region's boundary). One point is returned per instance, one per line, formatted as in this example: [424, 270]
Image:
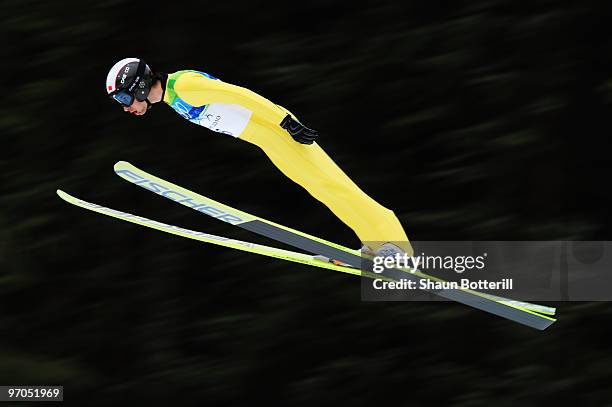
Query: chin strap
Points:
[162, 78]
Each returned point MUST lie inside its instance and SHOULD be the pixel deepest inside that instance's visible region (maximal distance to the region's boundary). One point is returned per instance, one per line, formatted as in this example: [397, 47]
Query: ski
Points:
[317, 246]
[249, 247]
[255, 248]
[235, 216]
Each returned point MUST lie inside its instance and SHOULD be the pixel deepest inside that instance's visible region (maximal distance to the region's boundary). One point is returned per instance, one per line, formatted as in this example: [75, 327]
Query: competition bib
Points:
[218, 117]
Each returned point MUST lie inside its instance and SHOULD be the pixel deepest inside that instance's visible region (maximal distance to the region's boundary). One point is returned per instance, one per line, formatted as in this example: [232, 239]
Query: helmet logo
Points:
[125, 72]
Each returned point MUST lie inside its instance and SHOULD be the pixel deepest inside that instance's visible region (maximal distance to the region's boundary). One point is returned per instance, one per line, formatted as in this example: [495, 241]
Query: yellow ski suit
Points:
[244, 114]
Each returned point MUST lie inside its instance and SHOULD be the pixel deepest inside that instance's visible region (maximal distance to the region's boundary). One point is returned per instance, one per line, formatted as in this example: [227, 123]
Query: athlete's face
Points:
[137, 108]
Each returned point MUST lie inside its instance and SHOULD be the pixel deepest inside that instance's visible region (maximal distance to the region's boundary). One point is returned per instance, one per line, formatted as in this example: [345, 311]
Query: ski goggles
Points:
[123, 97]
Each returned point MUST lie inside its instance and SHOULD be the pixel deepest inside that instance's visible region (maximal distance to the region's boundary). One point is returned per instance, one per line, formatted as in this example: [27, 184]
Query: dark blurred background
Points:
[472, 120]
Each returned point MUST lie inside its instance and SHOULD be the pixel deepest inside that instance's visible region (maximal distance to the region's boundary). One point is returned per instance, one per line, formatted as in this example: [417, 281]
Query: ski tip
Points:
[121, 164]
[63, 194]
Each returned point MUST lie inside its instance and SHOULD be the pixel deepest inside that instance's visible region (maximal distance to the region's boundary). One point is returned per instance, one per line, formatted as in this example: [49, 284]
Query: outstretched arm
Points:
[198, 90]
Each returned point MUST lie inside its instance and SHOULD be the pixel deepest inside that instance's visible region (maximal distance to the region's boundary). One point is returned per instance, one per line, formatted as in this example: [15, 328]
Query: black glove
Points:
[298, 131]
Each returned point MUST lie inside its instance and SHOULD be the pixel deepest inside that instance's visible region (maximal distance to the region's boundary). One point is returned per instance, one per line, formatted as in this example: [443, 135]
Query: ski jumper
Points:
[241, 113]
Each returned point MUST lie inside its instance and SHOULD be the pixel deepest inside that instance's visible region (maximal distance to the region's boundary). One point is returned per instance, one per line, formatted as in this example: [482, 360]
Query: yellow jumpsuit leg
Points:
[310, 167]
